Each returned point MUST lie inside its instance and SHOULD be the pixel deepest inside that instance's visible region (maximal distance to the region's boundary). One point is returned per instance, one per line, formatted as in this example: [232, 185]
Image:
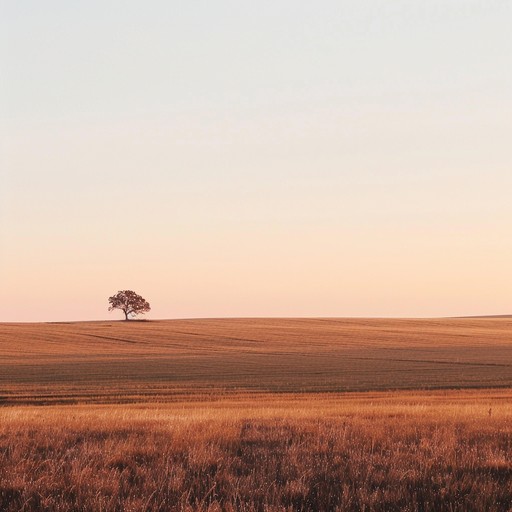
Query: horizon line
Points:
[120, 320]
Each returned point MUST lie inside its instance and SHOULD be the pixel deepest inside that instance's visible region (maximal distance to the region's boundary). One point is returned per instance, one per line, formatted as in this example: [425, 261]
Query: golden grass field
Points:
[257, 415]
[161, 360]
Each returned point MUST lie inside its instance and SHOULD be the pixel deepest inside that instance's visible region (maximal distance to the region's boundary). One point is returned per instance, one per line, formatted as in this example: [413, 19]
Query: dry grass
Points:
[160, 360]
[256, 415]
[437, 451]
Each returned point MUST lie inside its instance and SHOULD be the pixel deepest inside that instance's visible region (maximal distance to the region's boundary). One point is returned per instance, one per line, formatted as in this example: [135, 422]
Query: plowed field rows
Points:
[165, 360]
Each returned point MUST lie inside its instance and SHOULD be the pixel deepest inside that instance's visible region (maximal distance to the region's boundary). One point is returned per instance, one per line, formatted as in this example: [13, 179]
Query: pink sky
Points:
[273, 160]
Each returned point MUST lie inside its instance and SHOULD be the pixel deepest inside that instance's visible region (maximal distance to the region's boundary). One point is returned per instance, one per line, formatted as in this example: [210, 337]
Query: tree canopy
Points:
[129, 302]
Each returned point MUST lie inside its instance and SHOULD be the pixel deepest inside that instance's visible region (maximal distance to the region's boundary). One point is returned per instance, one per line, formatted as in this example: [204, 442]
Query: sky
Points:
[271, 158]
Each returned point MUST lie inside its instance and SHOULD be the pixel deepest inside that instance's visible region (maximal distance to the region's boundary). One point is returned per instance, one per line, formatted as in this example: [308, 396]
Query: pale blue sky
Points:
[256, 158]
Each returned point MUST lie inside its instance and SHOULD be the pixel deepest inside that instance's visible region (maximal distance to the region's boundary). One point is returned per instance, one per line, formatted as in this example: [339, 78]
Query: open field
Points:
[111, 362]
[257, 415]
[416, 451]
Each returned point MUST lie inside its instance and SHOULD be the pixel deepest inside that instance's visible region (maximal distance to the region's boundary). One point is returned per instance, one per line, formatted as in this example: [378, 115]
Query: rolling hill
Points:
[161, 360]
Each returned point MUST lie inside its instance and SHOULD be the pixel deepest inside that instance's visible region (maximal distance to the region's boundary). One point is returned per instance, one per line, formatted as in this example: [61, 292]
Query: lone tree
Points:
[129, 302]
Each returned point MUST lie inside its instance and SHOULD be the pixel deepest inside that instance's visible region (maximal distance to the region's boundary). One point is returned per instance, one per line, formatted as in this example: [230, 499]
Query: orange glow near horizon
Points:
[273, 159]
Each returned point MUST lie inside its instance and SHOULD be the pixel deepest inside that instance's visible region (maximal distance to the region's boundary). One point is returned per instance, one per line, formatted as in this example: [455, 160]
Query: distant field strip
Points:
[161, 360]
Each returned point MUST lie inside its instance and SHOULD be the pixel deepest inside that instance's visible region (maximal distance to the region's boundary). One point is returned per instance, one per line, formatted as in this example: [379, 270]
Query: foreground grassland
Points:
[435, 451]
[257, 415]
[112, 362]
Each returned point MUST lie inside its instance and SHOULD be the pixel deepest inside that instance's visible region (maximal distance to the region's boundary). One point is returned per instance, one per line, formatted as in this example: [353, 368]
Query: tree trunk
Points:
[126, 314]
